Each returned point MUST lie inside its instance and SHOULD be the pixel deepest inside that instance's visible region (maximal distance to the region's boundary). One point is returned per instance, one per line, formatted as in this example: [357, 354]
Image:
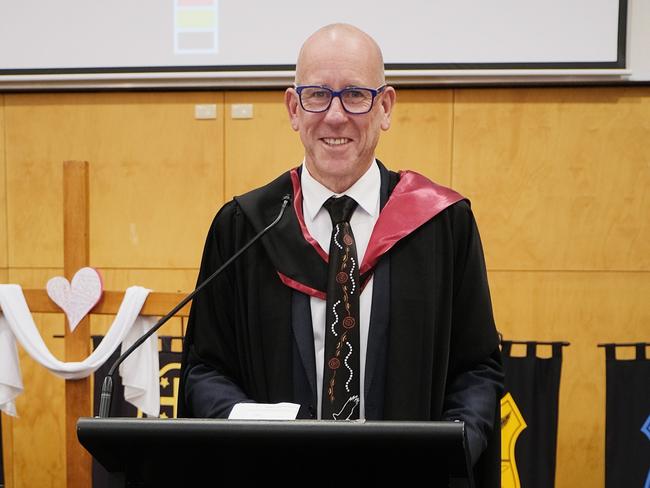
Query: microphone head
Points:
[286, 198]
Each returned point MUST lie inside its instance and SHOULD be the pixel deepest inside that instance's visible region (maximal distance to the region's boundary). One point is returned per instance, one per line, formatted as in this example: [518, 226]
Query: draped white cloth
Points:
[139, 372]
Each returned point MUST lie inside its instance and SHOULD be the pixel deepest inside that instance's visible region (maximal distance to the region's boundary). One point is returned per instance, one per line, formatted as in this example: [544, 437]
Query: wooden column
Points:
[77, 344]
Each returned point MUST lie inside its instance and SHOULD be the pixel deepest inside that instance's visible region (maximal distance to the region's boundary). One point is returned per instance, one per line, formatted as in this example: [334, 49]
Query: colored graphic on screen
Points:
[195, 26]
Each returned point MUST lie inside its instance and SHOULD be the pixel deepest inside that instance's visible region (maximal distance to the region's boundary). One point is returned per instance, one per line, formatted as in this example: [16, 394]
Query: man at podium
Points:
[369, 299]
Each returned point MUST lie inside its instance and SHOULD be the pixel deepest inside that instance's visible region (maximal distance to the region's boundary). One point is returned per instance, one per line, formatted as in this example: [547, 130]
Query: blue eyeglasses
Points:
[355, 100]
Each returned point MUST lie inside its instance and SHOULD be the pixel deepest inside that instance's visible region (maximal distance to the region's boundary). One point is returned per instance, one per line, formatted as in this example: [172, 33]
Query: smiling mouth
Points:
[336, 141]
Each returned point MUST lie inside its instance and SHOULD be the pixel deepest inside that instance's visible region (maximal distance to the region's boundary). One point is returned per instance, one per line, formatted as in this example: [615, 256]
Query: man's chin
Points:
[336, 167]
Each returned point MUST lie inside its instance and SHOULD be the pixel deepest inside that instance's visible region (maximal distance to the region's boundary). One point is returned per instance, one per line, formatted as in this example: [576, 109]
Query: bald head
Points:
[336, 42]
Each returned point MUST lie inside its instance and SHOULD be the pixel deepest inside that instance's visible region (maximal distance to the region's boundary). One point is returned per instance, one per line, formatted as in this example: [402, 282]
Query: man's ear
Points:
[387, 103]
[291, 102]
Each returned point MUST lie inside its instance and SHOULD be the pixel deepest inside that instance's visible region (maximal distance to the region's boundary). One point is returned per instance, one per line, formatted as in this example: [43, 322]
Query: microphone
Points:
[107, 386]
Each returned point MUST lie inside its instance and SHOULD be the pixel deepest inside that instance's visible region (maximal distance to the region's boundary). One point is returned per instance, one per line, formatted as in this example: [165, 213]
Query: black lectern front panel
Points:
[174, 452]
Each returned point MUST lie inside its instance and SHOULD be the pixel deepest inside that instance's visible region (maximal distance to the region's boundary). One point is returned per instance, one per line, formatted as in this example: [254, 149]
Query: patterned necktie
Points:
[341, 370]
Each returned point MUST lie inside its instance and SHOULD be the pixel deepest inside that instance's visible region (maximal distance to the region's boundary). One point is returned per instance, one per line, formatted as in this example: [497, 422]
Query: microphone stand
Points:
[107, 386]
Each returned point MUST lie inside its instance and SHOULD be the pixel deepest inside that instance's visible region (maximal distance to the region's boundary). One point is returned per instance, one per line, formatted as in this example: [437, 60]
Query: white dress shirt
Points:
[366, 193]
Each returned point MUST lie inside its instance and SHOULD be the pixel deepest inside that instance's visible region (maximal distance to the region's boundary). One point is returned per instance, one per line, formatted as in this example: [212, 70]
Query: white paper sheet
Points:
[264, 411]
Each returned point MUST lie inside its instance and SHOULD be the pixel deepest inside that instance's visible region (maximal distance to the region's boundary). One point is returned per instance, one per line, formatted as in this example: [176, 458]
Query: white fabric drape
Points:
[139, 372]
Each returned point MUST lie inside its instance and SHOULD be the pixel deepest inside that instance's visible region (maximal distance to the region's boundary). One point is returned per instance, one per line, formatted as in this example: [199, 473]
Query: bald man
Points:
[428, 347]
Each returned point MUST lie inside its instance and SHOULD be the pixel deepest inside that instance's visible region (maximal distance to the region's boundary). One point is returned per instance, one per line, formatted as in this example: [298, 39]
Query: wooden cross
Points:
[77, 343]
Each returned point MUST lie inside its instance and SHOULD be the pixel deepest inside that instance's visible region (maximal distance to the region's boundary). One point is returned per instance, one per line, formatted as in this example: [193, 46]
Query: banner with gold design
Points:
[170, 375]
[512, 424]
[627, 423]
[169, 359]
[529, 416]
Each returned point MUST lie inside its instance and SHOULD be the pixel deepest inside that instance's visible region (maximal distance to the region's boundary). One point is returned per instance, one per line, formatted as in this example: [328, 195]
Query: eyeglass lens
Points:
[354, 100]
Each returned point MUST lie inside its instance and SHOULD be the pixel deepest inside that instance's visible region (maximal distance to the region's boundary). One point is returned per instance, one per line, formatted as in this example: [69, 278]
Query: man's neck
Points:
[337, 184]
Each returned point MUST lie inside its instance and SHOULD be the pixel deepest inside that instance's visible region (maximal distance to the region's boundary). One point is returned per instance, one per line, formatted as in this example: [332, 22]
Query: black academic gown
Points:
[432, 348]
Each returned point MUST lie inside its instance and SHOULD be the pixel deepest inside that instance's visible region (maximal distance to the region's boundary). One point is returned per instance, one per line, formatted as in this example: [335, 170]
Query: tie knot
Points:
[340, 209]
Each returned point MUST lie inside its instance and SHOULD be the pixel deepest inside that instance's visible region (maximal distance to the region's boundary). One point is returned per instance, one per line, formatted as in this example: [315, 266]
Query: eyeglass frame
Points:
[337, 93]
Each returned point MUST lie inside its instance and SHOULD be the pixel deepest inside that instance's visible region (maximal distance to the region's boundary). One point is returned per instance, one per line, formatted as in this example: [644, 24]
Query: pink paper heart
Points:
[78, 298]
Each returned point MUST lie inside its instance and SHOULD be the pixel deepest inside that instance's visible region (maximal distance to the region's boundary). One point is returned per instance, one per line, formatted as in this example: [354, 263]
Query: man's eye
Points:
[355, 94]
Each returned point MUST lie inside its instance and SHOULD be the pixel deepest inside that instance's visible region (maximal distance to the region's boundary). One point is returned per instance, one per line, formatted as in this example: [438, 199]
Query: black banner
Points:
[170, 375]
[170, 366]
[529, 415]
[627, 424]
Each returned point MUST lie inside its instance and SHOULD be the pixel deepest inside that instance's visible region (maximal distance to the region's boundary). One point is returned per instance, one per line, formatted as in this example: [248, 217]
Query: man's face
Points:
[339, 146]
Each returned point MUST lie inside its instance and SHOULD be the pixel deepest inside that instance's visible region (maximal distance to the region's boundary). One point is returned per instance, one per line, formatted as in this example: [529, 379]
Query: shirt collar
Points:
[365, 191]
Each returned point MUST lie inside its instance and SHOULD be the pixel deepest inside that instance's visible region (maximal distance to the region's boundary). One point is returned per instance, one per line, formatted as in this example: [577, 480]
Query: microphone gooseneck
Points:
[107, 387]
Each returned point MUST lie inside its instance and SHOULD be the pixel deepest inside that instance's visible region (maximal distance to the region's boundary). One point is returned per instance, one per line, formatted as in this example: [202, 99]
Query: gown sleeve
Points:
[475, 381]
[210, 372]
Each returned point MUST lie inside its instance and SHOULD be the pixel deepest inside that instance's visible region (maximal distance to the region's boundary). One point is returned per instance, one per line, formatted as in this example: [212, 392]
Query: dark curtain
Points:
[627, 424]
[534, 385]
[169, 363]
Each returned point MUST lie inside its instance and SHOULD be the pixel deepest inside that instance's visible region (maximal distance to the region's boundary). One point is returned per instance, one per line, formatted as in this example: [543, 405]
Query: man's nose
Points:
[336, 112]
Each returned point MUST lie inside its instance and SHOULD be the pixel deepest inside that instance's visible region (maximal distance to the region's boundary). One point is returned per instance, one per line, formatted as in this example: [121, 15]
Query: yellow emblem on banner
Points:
[512, 424]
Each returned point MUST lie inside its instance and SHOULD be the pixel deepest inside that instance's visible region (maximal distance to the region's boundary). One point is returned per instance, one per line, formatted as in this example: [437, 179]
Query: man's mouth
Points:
[335, 141]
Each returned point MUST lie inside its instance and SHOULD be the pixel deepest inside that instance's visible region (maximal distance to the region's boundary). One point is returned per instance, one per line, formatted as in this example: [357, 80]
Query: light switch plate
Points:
[205, 111]
[241, 111]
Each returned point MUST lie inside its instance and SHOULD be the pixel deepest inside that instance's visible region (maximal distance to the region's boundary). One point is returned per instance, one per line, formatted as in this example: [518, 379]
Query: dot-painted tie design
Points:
[341, 369]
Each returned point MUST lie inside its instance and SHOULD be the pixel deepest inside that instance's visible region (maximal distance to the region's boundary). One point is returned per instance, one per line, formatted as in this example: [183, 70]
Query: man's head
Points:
[340, 146]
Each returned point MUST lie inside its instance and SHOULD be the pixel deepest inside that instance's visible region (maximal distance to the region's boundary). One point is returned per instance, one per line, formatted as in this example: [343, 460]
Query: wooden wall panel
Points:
[162, 280]
[559, 177]
[38, 432]
[259, 149]
[33, 277]
[583, 308]
[3, 189]
[7, 423]
[420, 135]
[159, 193]
[34, 135]
[155, 175]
